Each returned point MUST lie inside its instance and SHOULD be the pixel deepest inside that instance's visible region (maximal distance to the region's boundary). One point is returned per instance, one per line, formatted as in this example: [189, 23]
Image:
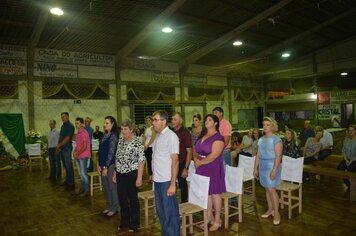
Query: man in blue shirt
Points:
[64, 148]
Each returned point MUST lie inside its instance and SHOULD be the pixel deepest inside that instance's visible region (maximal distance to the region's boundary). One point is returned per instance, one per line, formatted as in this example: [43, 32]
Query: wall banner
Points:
[13, 60]
[325, 112]
[55, 70]
[69, 57]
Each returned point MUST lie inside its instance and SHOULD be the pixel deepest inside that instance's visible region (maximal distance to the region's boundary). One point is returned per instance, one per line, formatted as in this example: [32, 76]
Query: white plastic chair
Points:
[234, 189]
[198, 202]
[34, 154]
[292, 179]
[248, 163]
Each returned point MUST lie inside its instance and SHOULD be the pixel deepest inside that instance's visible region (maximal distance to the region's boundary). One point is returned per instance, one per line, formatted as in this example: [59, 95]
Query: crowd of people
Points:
[124, 150]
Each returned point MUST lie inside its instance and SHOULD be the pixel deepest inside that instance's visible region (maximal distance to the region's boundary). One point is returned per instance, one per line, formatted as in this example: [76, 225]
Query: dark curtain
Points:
[12, 127]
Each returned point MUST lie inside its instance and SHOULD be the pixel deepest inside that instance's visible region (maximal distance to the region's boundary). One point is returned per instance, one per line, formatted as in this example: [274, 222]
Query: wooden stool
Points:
[33, 161]
[146, 196]
[94, 185]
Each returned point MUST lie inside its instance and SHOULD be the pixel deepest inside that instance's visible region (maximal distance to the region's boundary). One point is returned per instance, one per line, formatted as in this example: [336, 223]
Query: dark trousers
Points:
[148, 155]
[308, 161]
[183, 185]
[352, 168]
[128, 199]
[54, 163]
[324, 154]
[66, 156]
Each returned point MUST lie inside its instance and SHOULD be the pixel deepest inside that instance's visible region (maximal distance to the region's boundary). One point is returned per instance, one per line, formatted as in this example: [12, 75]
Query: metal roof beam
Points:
[292, 40]
[136, 40]
[230, 35]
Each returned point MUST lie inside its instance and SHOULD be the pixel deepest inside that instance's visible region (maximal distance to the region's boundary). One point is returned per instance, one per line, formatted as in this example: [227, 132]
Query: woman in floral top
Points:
[130, 160]
[290, 145]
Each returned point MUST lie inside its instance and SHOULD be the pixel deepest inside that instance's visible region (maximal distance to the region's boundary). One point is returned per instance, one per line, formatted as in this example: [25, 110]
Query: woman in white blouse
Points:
[130, 160]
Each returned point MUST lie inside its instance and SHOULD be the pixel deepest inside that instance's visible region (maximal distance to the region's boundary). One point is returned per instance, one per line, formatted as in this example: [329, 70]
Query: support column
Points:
[30, 88]
[118, 91]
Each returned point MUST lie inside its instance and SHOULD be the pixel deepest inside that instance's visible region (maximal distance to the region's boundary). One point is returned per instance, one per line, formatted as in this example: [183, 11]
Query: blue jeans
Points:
[167, 209]
[66, 156]
[82, 168]
[54, 163]
[227, 157]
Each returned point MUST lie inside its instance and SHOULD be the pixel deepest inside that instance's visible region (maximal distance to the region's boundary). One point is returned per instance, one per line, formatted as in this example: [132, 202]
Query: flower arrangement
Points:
[33, 136]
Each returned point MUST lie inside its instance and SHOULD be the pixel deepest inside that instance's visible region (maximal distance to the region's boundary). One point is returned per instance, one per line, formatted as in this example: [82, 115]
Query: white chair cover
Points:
[292, 169]
[191, 170]
[34, 149]
[248, 163]
[199, 190]
[234, 179]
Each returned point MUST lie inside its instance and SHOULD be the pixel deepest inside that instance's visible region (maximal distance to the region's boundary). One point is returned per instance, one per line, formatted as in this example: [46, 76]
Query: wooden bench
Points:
[333, 172]
[331, 161]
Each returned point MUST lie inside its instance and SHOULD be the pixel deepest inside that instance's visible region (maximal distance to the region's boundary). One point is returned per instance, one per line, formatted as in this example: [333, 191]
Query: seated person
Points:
[313, 146]
[255, 136]
[306, 133]
[246, 145]
[235, 147]
[349, 152]
[290, 144]
[327, 142]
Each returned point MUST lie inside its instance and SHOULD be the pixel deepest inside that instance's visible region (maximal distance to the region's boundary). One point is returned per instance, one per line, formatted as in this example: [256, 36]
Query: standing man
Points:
[98, 134]
[165, 170]
[64, 148]
[225, 130]
[90, 131]
[185, 153]
[82, 154]
[54, 161]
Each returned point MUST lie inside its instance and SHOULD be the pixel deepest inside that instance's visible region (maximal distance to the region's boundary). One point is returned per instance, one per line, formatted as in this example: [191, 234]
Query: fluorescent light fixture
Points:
[237, 43]
[167, 30]
[343, 73]
[314, 96]
[285, 55]
[56, 11]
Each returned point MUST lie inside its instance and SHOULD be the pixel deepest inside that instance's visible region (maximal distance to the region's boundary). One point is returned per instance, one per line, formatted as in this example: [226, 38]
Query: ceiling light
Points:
[237, 43]
[167, 30]
[343, 73]
[285, 55]
[56, 11]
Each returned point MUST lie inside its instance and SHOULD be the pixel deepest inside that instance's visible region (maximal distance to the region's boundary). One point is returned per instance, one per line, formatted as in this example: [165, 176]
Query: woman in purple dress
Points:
[209, 162]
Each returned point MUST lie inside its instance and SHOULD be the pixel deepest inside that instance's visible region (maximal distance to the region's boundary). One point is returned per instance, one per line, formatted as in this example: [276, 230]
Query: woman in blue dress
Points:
[267, 167]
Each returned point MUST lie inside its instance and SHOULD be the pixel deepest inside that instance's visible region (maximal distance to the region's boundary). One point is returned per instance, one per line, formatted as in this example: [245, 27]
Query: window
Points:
[141, 111]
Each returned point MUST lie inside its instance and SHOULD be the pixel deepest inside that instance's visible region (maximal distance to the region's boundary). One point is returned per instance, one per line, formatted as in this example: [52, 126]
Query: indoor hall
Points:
[293, 61]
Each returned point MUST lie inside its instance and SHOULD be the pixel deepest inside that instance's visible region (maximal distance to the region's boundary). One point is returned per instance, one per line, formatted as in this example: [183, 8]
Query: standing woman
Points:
[196, 130]
[209, 162]
[107, 150]
[267, 166]
[130, 160]
[148, 139]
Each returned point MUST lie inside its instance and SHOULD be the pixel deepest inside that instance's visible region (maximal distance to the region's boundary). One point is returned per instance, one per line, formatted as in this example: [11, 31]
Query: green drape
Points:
[12, 127]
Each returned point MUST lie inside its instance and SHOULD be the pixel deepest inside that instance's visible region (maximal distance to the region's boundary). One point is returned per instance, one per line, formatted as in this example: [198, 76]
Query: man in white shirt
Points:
[165, 170]
[54, 160]
[327, 145]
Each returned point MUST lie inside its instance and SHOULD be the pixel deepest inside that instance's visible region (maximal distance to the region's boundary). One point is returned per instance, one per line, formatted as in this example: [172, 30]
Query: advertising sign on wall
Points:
[55, 70]
[13, 60]
[325, 112]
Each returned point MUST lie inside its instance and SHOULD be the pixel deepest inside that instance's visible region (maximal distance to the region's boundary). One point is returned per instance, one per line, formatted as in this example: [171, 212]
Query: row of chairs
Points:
[292, 172]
